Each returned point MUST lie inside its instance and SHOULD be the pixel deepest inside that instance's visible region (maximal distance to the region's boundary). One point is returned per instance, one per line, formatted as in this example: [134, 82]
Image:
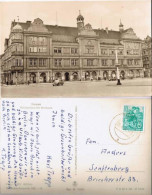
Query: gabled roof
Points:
[110, 41]
[62, 30]
[110, 35]
[24, 25]
[73, 31]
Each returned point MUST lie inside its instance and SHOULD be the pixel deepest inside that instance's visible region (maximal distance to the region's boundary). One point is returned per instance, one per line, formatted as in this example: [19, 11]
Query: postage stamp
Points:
[133, 118]
[118, 134]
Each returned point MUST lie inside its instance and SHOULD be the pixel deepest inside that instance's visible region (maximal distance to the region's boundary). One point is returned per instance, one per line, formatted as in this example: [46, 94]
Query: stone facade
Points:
[36, 52]
[146, 55]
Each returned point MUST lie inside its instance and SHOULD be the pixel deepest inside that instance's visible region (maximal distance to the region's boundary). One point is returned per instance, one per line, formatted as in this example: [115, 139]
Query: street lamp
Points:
[16, 75]
[118, 72]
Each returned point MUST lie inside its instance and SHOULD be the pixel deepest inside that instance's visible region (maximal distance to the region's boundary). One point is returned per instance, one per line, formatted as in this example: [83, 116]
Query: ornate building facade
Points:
[146, 55]
[37, 52]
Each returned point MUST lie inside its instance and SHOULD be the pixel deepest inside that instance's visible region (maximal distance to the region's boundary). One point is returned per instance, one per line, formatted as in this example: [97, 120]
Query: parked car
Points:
[58, 82]
[113, 79]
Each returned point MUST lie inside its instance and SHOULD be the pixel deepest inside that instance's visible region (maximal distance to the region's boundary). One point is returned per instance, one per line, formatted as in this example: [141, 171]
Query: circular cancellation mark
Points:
[118, 134]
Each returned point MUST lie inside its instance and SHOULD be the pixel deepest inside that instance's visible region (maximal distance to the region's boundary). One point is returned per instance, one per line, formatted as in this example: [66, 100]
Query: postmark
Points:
[133, 118]
[118, 134]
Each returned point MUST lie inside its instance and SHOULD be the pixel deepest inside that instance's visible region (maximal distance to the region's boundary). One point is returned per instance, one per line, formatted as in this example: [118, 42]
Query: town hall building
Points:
[35, 52]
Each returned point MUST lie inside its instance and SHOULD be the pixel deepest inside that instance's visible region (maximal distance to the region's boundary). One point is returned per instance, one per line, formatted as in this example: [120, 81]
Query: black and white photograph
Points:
[75, 49]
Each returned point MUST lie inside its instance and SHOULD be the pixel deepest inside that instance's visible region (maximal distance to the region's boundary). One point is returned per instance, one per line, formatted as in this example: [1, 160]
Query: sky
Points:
[100, 14]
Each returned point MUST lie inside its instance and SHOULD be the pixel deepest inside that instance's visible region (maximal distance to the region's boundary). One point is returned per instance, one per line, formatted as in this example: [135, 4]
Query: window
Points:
[31, 62]
[42, 40]
[16, 62]
[57, 50]
[74, 50]
[113, 62]
[42, 62]
[74, 62]
[136, 62]
[89, 49]
[120, 52]
[112, 52]
[30, 39]
[41, 49]
[35, 62]
[34, 40]
[20, 62]
[58, 62]
[20, 47]
[129, 52]
[37, 49]
[104, 62]
[104, 51]
[130, 62]
[30, 49]
[17, 36]
[136, 52]
[89, 62]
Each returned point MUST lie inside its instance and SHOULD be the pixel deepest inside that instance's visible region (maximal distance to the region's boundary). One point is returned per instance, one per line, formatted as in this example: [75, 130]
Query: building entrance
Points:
[43, 77]
[67, 76]
[58, 75]
[75, 76]
[105, 75]
[33, 78]
[94, 75]
[122, 74]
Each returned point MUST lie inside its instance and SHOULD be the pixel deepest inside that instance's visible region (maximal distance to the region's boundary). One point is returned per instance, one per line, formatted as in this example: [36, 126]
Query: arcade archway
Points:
[131, 74]
[58, 75]
[33, 77]
[67, 76]
[122, 74]
[75, 76]
[87, 75]
[43, 77]
[94, 75]
[105, 75]
[113, 75]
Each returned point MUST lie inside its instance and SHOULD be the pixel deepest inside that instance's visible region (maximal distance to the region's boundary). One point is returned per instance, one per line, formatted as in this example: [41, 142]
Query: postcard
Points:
[75, 49]
[76, 146]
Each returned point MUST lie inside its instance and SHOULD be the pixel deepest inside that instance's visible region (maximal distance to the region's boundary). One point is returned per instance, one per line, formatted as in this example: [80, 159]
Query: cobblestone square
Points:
[132, 87]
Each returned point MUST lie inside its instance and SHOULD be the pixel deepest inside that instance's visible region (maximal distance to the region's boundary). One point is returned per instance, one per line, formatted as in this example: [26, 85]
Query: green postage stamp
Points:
[133, 118]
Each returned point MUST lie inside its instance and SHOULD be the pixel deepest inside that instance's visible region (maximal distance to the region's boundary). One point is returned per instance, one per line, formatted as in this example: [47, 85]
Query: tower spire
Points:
[18, 18]
[121, 26]
[120, 22]
[80, 21]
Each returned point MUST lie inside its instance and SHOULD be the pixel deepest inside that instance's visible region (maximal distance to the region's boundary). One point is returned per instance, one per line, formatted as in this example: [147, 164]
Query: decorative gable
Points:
[129, 34]
[37, 26]
[87, 31]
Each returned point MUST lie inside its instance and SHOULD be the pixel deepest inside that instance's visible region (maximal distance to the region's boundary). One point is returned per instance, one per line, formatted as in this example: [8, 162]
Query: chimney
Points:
[107, 30]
